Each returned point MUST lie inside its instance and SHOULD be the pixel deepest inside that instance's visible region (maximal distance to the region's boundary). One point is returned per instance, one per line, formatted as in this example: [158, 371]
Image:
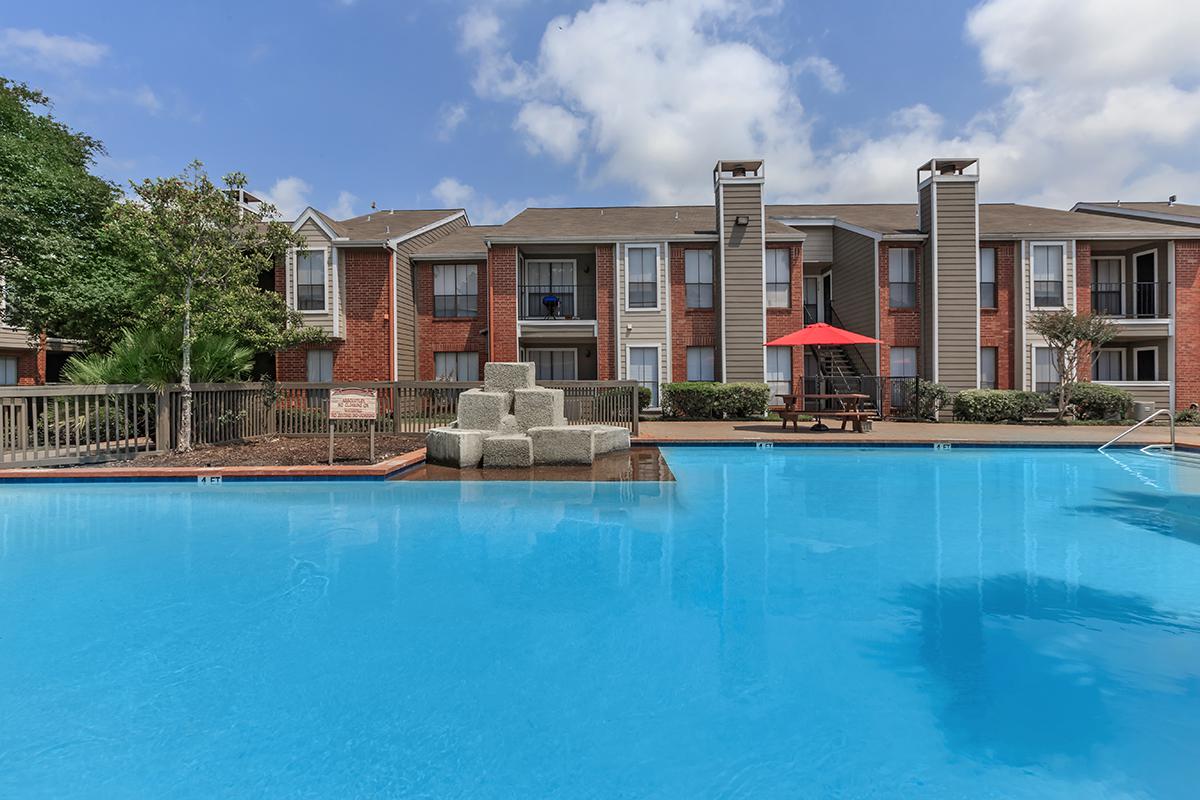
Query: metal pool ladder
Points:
[1150, 448]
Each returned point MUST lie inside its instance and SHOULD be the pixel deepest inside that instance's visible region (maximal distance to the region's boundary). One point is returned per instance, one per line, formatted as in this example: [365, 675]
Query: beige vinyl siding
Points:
[649, 327]
[14, 339]
[406, 304]
[957, 247]
[742, 278]
[818, 242]
[314, 237]
[854, 285]
[1030, 339]
[1158, 394]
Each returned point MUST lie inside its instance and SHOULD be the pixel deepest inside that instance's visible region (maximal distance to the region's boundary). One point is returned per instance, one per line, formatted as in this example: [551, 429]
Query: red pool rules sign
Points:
[353, 404]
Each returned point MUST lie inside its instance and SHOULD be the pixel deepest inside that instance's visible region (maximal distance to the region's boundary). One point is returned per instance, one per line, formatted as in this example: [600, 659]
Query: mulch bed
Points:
[283, 452]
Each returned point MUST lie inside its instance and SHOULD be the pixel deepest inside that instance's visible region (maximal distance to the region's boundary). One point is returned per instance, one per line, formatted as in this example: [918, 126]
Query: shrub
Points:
[924, 399]
[704, 400]
[1098, 401]
[644, 397]
[1188, 416]
[996, 405]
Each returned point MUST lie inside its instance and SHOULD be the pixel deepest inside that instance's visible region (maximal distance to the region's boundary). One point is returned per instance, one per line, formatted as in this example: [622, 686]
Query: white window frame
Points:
[787, 260]
[657, 347]
[1032, 279]
[916, 280]
[1136, 376]
[295, 256]
[916, 361]
[711, 283]
[458, 354]
[1120, 351]
[995, 367]
[1124, 279]
[308, 360]
[1033, 364]
[16, 370]
[791, 372]
[995, 251]
[657, 278]
[687, 357]
[574, 351]
[454, 266]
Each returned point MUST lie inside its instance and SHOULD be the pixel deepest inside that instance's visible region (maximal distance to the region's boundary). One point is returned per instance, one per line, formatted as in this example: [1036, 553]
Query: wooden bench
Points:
[855, 417]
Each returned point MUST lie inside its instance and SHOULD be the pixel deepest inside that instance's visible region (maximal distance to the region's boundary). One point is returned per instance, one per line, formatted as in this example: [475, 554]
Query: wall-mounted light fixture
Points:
[741, 220]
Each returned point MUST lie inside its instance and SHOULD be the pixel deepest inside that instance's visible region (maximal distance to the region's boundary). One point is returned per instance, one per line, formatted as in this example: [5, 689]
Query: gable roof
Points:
[378, 226]
[467, 243]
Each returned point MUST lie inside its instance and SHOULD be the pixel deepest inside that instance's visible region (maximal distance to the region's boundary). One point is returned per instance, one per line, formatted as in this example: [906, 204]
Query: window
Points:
[698, 278]
[902, 277]
[554, 363]
[456, 366]
[320, 366]
[1109, 365]
[310, 280]
[1045, 370]
[902, 363]
[643, 368]
[455, 290]
[8, 371]
[779, 278]
[1047, 275]
[1145, 364]
[779, 372]
[549, 290]
[987, 367]
[641, 278]
[701, 364]
[987, 277]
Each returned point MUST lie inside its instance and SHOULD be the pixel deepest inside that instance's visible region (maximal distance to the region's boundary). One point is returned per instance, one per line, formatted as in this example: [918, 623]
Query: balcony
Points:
[1138, 300]
[566, 302]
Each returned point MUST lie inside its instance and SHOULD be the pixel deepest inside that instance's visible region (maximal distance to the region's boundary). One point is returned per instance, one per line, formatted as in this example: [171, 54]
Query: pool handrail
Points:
[1132, 428]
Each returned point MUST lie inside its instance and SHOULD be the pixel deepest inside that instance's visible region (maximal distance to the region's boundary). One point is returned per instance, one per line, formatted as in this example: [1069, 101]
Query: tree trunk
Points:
[185, 375]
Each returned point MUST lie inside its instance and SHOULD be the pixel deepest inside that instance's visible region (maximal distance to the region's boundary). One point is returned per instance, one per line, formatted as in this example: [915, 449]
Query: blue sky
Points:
[502, 104]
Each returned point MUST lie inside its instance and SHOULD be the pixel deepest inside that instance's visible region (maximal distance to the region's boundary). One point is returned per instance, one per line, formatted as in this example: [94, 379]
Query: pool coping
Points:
[397, 466]
[384, 470]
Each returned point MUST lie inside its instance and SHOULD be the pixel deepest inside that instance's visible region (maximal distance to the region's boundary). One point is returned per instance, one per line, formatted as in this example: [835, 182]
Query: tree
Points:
[1072, 338]
[153, 356]
[61, 275]
[201, 254]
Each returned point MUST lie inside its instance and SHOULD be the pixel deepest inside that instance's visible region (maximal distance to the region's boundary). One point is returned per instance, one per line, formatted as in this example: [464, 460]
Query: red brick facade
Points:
[1083, 299]
[899, 327]
[690, 327]
[997, 326]
[502, 291]
[364, 352]
[451, 334]
[606, 363]
[1187, 323]
[31, 365]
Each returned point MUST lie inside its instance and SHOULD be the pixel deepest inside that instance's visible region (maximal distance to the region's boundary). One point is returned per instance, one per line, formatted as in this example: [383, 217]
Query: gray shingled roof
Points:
[886, 218]
[466, 242]
[1162, 207]
[619, 222]
[379, 226]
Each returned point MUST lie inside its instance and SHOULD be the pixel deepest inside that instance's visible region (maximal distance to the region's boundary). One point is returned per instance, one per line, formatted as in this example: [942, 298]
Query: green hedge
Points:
[1098, 401]
[997, 405]
[644, 397]
[703, 400]
[924, 399]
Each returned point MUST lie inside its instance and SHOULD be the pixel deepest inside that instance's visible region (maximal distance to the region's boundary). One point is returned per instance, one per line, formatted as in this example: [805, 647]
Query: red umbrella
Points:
[820, 333]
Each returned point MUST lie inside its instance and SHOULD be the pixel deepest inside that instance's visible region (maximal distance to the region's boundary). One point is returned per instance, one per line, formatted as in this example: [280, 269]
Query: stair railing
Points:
[1132, 428]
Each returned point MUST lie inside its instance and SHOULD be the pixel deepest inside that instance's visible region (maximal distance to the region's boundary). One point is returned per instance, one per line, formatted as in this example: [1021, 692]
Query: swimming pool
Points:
[790, 622]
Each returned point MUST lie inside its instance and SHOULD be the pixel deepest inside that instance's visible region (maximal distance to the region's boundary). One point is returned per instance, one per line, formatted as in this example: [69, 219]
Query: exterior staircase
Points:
[840, 374]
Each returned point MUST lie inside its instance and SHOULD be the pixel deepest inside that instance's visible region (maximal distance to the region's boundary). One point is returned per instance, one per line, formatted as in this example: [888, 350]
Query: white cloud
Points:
[1101, 99]
[550, 129]
[145, 97]
[449, 119]
[288, 195]
[483, 210]
[344, 207]
[825, 71]
[34, 47]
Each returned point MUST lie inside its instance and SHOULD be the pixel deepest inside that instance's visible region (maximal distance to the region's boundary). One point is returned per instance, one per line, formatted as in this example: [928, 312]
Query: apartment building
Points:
[25, 359]
[669, 293]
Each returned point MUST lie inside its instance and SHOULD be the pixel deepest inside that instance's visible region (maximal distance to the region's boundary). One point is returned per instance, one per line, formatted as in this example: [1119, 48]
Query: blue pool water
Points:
[776, 624]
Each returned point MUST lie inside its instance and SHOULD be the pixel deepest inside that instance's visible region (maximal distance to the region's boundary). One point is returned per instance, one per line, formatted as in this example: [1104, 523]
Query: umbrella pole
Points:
[818, 426]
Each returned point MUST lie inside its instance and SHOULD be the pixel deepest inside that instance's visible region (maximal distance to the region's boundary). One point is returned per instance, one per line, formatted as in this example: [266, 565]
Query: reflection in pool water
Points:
[784, 623]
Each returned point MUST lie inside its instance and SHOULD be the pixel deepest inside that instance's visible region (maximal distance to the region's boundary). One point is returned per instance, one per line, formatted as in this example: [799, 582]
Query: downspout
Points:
[490, 305]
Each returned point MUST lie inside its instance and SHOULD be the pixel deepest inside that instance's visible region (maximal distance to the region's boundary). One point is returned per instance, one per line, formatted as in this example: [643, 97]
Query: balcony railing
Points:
[1139, 300]
[553, 301]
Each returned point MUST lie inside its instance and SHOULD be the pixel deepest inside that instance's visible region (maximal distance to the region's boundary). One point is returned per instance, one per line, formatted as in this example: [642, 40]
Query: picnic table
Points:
[849, 404]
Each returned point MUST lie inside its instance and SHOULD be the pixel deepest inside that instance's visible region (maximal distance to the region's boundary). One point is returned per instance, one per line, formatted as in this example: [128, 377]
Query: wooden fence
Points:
[56, 425]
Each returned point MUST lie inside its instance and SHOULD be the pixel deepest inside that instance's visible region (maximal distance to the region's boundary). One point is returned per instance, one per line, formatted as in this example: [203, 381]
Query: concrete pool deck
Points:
[655, 433]
[911, 433]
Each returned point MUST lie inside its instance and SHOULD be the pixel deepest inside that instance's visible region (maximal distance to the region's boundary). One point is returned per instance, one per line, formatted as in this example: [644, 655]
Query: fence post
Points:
[162, 423]
[635, 403]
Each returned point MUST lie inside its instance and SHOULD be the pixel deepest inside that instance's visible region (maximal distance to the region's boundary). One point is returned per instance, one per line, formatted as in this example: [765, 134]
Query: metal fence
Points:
[893, 398]
[57, 425]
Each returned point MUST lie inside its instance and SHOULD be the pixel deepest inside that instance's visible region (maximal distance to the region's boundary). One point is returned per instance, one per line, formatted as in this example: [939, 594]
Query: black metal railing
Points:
[1140, 299]
[557, 301]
